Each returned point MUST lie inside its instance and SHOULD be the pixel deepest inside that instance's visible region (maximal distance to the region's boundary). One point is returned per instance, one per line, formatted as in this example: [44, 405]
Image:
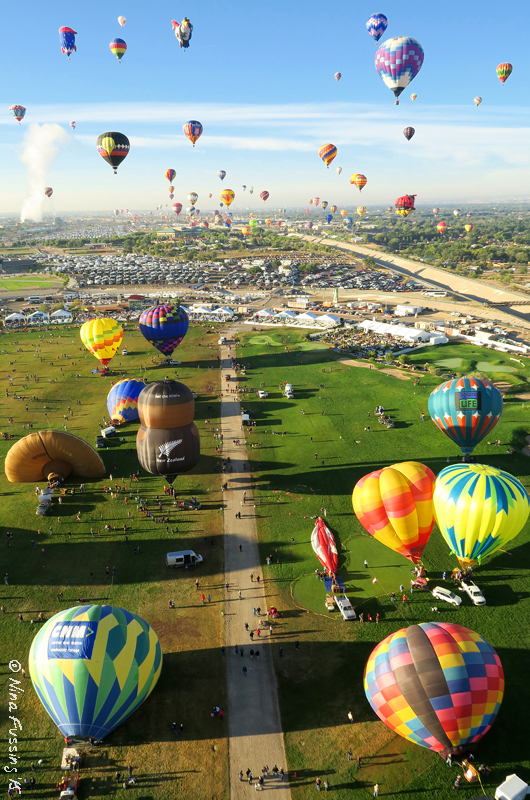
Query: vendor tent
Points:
[60, 314]
[329, 320]
[265, 312]
[15, 318]
[395, 331]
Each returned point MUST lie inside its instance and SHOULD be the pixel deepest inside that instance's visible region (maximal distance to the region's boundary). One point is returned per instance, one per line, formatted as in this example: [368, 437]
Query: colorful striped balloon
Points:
[438, 685]
[358, 180]
[504, 71]
[264, 195]
[478, 509]
[164, 327]
[227, 196]
[465, 409]
[118, 47]
[102, 337]
[171, 175]
[192, 130]
[122, 400]
[395, 506]
[327, 153]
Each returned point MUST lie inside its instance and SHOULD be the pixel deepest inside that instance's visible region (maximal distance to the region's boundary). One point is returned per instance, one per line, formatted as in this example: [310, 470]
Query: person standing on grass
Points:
[318, 783]
[376, 790]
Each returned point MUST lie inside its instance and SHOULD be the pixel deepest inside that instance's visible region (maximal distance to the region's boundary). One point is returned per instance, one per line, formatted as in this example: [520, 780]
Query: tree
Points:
[369, 263]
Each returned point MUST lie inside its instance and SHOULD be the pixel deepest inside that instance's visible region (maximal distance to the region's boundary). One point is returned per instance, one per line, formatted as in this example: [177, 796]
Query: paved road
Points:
[255, 730]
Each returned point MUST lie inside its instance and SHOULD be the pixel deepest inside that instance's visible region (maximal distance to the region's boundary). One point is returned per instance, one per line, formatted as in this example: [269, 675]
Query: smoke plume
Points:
[41, 145]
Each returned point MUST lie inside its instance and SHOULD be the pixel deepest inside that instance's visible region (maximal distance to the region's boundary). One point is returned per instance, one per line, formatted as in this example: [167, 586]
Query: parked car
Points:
[262, 395]
[441, 593]
[289, 395]
[345, 607]
[100, 441]
[473, 592]
[188, 505]
[183, 557]
[43, 508]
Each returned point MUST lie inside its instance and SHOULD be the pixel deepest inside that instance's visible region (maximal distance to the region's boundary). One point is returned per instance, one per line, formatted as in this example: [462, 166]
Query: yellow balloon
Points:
[478, 509]
[102, 337]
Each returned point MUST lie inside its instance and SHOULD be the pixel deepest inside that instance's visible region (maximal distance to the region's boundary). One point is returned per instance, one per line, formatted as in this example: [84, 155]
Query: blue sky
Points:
[260, 79]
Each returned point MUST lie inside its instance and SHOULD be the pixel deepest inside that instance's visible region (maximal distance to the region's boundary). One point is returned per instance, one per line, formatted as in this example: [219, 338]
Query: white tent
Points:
[329, 320]
[285, 315]
[396, 331]
[265, 312]
[307, 316]
[15, 318]
[38, 315]
[60, 313]
[225, 310]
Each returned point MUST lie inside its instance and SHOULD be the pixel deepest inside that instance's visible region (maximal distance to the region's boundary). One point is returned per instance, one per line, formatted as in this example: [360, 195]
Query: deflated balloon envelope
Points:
[93, 666]
[47, 454]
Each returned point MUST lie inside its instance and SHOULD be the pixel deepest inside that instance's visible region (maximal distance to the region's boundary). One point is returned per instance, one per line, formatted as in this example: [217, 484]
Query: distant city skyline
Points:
[266, 104]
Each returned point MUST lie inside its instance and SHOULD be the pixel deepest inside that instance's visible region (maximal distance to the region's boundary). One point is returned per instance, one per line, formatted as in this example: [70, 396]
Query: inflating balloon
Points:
[395, 506]
[102, 337]
[51, 455]
[113, 147]
[478, 510]
[323, 543]
[92, 667]
[465, 409]
[398, 61]
[438, 685]
[122, 400]
[327, 153]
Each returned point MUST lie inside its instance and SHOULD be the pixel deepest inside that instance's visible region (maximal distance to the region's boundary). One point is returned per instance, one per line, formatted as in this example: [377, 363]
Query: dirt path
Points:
[254, 723]
[397, 373]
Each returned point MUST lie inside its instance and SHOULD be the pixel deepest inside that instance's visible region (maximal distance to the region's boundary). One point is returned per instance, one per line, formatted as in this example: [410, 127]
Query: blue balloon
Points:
[122, 400]
[376, 26]
[466, 410]
[67, 38]
[329, 217]
[164, 327]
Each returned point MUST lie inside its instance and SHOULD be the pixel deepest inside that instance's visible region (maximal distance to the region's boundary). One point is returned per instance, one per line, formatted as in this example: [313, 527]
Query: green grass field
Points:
[192, 678]
[22, 282]
[323, 680]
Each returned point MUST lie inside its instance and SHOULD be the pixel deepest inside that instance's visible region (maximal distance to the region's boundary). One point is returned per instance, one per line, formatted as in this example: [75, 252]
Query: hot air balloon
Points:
[192, 130]
[164, 327]
[122, 21]
[102, 337]
[253, 223]
[395, 506]
[408, 133]
[171, 196]
[436, 211]
[477, 101]
[251, 190]
[171, 174]
[478, 510]
[338, 170]
[324, 204]
[438, 685]
[92, 667]
[246, 231]
[192, 198]
[343, 213]
[405, 205]
[338, 76]
[166, 404]
[323, 543]
[358, 180]
[268, 223]
[67, 39]
[309, 224]
[327, 153]
[316, 201]
[310, 201]
[51, 455]
[333, 209]
[72, 125]
[113, 147]
[441, 227]
[389, 209]
[171, 188]
[504, 71]
[376, 26]
[122, 400]
[361, 210]
[398, 61]
[222, 174]
[413, 97]
[19, 112]
[227, 196]
[348, 222]
[168, 451]
[329, 218]
[48, 191]
[204, 224]
[244, 186]
[264, 195]
[465, 409]
[468, 228]
[468, 216]
[118, 48]
[190, 210]
[183, 31]
[457, 212]
[177, 208]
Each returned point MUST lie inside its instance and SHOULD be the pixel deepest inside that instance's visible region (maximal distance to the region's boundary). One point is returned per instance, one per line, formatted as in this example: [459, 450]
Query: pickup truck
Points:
[262, 395]
[473, 592]
[345, 607]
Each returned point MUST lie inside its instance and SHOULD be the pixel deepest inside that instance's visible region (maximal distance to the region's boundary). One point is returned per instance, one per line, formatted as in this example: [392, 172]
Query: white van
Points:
[222, 340]
[107, 432]
[182, 558]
